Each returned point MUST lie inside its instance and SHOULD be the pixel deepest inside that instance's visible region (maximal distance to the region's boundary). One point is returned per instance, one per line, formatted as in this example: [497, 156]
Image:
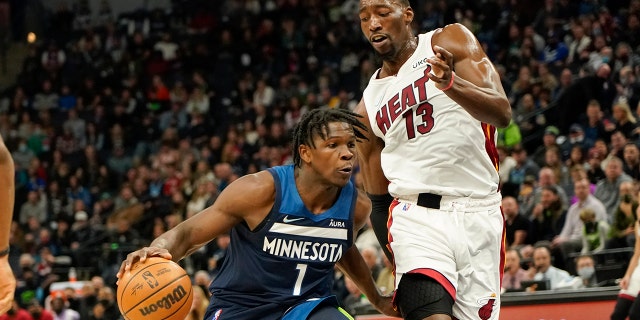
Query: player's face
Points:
[385, 24]
[333, 158]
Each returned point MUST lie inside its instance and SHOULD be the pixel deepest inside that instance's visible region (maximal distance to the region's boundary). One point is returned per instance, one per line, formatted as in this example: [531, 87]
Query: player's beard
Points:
[389, 55]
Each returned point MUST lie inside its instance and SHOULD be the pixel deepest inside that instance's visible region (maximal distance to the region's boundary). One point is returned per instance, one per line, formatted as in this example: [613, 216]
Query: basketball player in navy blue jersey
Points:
[289, 226]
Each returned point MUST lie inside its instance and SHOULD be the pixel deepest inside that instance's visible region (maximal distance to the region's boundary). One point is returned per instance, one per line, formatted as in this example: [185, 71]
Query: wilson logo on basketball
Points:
[166, 302]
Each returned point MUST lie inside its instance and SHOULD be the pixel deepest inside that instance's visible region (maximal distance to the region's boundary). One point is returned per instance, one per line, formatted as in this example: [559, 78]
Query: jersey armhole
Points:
[276, 202]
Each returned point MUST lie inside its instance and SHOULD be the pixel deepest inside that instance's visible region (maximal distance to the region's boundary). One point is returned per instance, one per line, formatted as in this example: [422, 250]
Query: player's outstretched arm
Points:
[353, 265]
[374, 180]
[247, 199]
[633, 263]
[369, 151]
[475, 85]
[7, 198]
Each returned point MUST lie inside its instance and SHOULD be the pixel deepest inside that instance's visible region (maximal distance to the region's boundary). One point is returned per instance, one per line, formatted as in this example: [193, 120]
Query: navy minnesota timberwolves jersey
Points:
[288, 259]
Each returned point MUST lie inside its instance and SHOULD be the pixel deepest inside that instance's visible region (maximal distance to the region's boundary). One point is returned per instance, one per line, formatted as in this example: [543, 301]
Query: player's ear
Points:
[408, 15]
[305, 153]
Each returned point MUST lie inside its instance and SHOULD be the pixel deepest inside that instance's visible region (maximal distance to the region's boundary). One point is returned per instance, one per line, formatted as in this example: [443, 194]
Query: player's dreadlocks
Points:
[316, 122]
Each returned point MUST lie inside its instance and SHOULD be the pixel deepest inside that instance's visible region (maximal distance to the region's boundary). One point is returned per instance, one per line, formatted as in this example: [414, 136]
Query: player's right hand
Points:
[624, 283]
[141, 256]
[7, 285]
[384, 304]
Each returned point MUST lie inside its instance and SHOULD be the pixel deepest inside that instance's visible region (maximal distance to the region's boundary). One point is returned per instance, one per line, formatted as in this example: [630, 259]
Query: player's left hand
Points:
[384, 304]
[441, 67]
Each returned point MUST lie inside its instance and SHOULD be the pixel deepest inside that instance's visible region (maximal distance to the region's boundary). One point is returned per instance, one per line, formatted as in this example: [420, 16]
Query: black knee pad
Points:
[419, 296]
[621, 309]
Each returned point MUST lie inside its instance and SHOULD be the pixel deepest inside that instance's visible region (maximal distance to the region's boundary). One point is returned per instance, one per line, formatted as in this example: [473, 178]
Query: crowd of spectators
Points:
[121, 126]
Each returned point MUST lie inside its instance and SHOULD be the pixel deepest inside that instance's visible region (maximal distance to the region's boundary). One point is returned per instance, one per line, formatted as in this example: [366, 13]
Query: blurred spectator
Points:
[594, 234]
[624, 120]
[167, 47]
[586, 270]
[516, 225]
[386, 280]
[106, 296]
[37, 312]
[608, 189]
[622, 232]
[198, 102]
[558, 278]
[371, 256]
[217, 258]
[264, 94]
[513, 272]
[524, 167]
[76, 125]
[631, 159]
[547, 216]
[46, 99]
[355, 300]
[593, 124]
[16, 313]
[551, 133]
[595, 171]
[34, 207]
[199, 304]
[553, 161]
[22, 156]
[53, 58]
[548, 178]
[570, 239]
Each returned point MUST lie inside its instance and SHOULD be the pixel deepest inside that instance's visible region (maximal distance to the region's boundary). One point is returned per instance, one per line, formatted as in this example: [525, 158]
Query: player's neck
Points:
[390, 67]
[318, 197]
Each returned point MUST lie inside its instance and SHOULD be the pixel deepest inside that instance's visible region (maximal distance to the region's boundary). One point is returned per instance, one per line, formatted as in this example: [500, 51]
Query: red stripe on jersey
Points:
[503, 247]
[437, 276]
[394, 203]
[490, 144]
[626, 296]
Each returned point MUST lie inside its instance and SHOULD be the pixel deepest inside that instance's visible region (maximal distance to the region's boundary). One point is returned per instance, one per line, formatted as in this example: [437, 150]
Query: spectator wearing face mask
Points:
[585, 267]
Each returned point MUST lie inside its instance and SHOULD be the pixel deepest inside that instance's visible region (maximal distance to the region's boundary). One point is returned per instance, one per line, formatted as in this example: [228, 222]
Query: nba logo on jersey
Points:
[406, 207]
[217, 314]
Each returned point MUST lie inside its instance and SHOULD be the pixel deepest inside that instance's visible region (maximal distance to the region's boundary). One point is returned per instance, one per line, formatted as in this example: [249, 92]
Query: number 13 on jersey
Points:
[425, 112]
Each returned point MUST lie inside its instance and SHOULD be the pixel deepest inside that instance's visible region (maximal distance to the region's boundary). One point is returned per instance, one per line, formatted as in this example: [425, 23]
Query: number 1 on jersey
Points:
[302, 269]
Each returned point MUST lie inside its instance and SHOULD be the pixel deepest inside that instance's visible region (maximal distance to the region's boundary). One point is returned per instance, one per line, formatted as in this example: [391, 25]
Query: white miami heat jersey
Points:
[432, 144]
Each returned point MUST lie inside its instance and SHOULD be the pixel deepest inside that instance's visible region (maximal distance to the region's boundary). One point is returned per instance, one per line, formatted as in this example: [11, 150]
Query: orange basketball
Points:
[156, 289]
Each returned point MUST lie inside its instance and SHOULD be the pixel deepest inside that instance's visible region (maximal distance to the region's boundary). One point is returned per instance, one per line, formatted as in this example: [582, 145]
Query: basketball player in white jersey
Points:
[433, 108]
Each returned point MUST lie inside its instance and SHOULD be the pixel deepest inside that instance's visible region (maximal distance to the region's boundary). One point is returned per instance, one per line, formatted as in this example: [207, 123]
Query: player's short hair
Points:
[404, 3]
[316, 123]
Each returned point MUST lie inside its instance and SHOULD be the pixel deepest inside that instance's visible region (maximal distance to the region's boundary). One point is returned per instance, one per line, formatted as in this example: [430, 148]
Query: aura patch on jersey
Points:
[319, 232]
